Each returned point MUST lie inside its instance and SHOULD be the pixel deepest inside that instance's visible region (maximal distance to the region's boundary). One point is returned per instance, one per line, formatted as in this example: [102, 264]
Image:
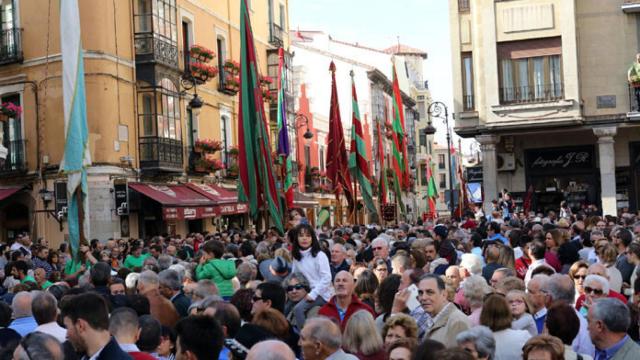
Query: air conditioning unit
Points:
[506, 162]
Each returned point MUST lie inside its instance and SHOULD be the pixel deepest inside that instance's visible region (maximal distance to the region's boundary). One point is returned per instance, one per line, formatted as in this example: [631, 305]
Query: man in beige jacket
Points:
[447, 320]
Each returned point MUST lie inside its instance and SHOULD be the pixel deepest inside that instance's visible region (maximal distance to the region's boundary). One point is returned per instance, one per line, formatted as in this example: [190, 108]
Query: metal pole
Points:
[446, 121]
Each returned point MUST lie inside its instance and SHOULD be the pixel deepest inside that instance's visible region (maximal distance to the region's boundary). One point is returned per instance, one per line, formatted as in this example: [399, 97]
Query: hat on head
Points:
[275, 269]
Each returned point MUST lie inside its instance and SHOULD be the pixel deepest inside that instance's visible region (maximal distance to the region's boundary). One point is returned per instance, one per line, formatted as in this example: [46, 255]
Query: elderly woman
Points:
[479, 342]
[360, 339]
[595, 287]
[543, 347]
[297, 287]
[399, 326]
[496, 315]
[578, 272]
[474, 289]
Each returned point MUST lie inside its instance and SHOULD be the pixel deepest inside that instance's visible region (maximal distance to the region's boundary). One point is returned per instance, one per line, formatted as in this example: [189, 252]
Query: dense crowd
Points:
[503, 286]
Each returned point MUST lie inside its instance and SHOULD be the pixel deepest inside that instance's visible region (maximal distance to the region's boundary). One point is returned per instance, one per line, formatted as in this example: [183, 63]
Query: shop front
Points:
[562, 174]
[169, 209]
[229, 213]
[14, 212]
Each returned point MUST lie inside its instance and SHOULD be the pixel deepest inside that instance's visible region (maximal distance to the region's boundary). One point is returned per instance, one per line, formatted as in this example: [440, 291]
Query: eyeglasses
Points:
[293, 287]
[590, 290]
[377, 248]
[256, 298]
[579, 277]
[381, 269]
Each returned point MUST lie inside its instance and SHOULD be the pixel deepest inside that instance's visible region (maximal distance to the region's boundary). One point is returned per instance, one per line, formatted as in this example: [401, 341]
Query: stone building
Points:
[542, 86]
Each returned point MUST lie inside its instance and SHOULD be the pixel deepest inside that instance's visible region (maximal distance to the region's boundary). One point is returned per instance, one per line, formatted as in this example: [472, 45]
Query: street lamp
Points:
[307, 134]
[439, 110]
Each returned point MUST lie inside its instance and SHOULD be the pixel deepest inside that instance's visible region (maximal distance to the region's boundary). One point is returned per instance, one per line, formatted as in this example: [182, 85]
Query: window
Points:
[161, 116]
[423, 175]
[222, 57]
[226, 136]
[423, 138]
[148, 116]
[12, 137]
[321, 157]
[186, 43]
[192, 128]
[467, 82]
[441, 162]
[144, 16]
[443, 180]
[164, 19]
[530, 70]
[307, 156]
[282, 16]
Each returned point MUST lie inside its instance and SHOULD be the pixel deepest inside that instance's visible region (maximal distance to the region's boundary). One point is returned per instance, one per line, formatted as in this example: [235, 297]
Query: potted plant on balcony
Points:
[209, 164]
[207, 146]
[232, 84]
[203, 72]
[232, 67]
[265, 81]
[9, 110]
[233, 151]
[201, 53]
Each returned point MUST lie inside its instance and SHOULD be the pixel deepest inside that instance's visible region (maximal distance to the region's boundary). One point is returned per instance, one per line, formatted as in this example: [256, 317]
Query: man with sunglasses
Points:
[600, 270]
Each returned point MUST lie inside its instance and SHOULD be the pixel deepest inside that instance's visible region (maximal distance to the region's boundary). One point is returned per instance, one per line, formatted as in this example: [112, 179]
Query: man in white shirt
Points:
[536, 252]
[22, 243]
[44, 307]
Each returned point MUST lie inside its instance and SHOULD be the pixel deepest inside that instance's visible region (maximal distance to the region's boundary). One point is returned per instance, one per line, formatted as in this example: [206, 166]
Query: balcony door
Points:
[12, 137]
[8, 20]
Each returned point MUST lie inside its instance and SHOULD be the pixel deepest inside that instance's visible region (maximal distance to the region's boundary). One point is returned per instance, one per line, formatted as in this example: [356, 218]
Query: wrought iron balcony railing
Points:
[151, 46]
[634, 98]
[16, 160]
[276, 38]
[161, 154]
[10, 46]
[531, 94]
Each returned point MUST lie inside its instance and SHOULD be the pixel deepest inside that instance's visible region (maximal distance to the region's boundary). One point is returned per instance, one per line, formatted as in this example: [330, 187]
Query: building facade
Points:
[145, 179]
[373, 80]
[542, 86]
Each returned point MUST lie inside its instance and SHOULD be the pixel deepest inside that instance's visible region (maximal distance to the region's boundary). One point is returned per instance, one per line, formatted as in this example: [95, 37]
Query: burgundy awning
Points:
[178, 202]
[226, 201]
[6, 192]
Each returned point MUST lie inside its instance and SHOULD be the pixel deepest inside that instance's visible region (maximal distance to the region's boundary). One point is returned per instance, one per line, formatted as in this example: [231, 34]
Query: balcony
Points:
[631, 6]
[16, 160]
[227, 83]
[276, 36]
[531, 94]
[10, 46]
[634, 102]
[151, 47]
[463, 6]
[160, 154]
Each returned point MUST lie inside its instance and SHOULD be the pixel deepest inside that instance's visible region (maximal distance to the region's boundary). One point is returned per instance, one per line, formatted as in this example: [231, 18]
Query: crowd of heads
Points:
[481, 287]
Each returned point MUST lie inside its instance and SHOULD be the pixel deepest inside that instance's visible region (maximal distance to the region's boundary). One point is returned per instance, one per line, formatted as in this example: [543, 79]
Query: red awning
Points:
[178, 201]
[6, 192]
[226, 200]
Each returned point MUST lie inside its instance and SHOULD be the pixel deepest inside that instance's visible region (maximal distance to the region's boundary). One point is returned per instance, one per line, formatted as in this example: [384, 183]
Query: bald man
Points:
[345, 302]
[271, 350]
[599, 269]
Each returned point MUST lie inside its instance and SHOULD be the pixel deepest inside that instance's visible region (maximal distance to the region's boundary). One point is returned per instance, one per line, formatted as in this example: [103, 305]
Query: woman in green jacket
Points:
[213, 267]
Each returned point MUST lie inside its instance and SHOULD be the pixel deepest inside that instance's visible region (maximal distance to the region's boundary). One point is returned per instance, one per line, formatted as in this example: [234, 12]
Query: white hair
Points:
[472, 263]
[380, 240]
[604, 284]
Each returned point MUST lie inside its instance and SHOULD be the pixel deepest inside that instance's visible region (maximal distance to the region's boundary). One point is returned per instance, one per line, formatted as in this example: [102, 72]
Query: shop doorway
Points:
[634, 162]
[195, 226]
[16, 220]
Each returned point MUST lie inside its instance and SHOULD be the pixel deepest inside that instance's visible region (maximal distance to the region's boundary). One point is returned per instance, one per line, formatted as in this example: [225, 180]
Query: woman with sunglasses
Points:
[578, 272]
[309, 259]
[595, 287]
[297, 287]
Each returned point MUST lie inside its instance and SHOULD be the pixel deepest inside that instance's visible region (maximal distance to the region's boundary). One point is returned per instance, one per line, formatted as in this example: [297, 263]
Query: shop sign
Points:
[474, 174]
[560, 159]
[188, 213]
[60, 189]
[232, 209]
[389, 212]
[121, 193]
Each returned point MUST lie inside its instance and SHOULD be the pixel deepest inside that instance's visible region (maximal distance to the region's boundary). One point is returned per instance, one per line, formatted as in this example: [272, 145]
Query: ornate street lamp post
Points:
[439, 110]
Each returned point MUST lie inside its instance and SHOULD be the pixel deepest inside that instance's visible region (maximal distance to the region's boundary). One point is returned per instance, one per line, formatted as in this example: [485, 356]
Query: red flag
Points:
[257, 179]
[337, 163]
[398, 114]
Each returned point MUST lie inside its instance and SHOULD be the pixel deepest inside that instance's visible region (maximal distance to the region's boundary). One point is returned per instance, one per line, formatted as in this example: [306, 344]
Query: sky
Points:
[422, 24]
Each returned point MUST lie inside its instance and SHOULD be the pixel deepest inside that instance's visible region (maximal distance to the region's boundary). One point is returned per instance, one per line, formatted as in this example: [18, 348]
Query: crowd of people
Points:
[507, 286]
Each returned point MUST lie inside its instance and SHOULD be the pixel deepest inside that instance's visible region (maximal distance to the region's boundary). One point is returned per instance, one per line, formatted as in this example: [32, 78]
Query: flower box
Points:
[233, 151]
[266, 81]
[201, 53]
[208, 164]
[232, 67]
[203, 72]
[9, 110]
[207, 146]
